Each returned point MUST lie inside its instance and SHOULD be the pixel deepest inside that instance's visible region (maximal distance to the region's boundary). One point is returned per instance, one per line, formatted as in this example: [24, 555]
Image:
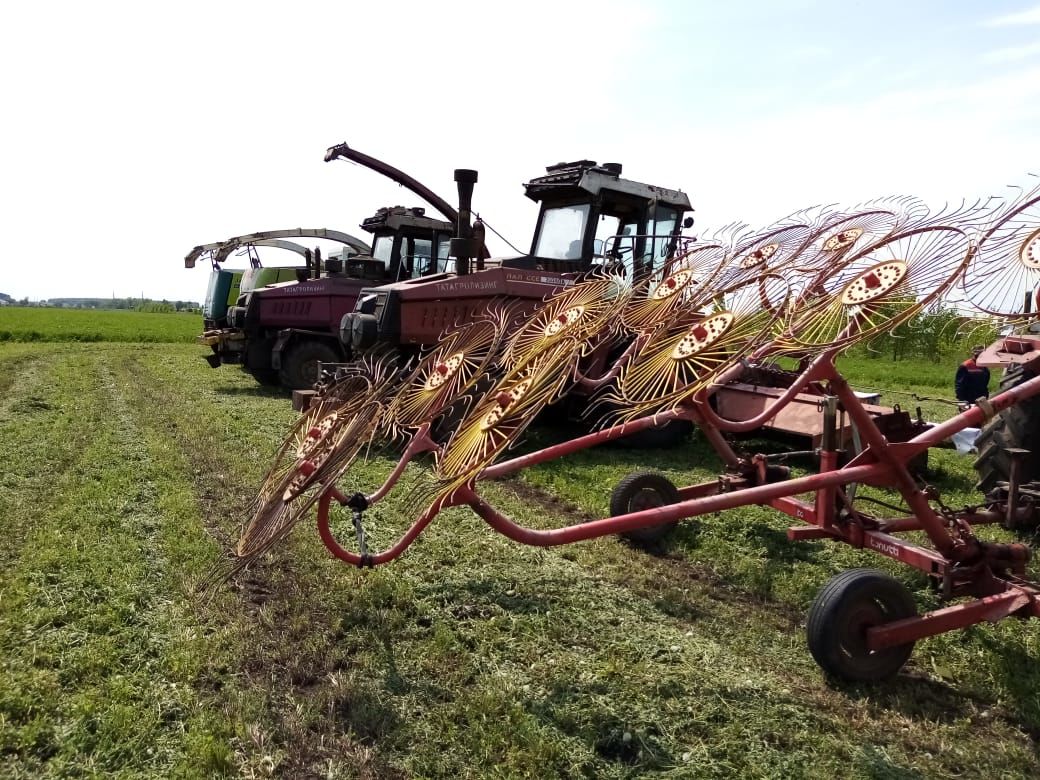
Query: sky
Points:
[133, 131]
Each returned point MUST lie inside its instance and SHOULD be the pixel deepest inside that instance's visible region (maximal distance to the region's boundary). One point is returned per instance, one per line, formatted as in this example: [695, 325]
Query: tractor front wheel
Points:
[644, 490]
[299, 369]
[844, 609]
[267, 377]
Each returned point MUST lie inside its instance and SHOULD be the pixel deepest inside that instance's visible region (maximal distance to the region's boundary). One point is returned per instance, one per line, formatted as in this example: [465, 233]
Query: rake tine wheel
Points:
[314, 457]
[497, 420]
[1005, 271]
[678, 285]
[845, 234]
[448, 372]
[769, 251]
[681, 358]
[585, 313]
[878, 289]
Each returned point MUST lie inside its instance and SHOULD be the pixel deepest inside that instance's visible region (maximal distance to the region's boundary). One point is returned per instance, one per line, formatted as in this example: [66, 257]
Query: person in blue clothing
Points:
[972, 380]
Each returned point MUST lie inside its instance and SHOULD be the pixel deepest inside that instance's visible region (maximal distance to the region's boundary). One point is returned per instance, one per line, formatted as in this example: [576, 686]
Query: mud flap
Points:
[279, 347]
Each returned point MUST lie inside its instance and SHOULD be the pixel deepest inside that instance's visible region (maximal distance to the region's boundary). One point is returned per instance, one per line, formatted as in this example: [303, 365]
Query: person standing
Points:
[972, 380]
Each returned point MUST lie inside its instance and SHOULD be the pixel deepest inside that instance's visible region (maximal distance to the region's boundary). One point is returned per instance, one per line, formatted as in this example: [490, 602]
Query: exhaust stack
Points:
[463, 247]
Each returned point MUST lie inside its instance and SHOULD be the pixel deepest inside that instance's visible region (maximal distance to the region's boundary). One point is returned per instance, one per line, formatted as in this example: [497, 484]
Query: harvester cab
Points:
[406, 244]
[589, 218]
[281, 332]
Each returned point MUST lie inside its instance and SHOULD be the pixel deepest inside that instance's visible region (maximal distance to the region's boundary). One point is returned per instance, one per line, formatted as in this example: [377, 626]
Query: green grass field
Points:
[19, 323]
[127, 468]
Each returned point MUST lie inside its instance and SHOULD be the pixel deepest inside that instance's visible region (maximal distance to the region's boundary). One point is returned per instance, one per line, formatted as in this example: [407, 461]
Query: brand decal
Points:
[450, 287]
[884, 547]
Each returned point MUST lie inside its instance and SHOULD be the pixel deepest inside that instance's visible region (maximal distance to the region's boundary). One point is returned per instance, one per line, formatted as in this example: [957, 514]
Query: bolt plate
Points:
[702, 335]
[874, 283]
[564, 321]
[842, 240]
[513, 395]
[759, 256]
[1029, 255]
[444, 370]
[672, 284]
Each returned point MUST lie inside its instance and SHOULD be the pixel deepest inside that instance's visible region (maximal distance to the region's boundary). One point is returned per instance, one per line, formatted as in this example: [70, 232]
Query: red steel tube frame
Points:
[879, 461]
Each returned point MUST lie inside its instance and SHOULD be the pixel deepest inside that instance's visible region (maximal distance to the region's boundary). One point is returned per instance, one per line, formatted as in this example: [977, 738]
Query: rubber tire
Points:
[1016, 426]
[671, 434]
[644, 490]
[299, 369]
[848, 604]
[267, 377]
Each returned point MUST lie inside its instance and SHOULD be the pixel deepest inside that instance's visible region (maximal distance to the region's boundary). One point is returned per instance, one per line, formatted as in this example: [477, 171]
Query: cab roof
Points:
[584, 178]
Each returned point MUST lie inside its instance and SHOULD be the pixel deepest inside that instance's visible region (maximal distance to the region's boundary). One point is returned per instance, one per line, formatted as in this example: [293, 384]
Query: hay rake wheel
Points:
[678, 285]
[839, 236]
[278, 475]
[320, 449]
[448, 372]
[878, 289]
[683, 357]
[583, 313]
[495, 423]
[1002, 279]
[768, 251]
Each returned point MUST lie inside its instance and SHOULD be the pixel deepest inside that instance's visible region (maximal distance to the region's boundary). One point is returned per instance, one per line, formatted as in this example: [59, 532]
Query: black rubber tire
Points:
[671, 434]
[1016, 426]
[299, 369]
[267, 377]
[847, 605]
[644, 490]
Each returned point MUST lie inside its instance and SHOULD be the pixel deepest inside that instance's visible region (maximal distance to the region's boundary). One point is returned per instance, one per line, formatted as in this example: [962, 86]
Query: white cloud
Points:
[1026, 17]
[1012, 53]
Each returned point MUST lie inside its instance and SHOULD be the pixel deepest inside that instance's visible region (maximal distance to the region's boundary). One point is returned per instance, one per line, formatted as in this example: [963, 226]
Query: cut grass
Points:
[128, 467]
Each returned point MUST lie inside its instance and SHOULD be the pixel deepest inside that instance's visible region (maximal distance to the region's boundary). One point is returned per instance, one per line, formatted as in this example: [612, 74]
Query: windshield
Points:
[661, 228]
[421, 256]
[383, 249]
[562, 231]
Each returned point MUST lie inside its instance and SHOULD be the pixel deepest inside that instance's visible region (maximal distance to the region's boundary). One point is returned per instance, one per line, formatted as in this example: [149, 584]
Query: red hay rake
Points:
[806, 289]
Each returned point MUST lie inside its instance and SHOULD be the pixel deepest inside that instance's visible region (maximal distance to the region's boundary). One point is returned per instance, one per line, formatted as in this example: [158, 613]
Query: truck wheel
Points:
[845, 608]
[644, 490]
[299, 369]
[268, 377]
[1016, 426]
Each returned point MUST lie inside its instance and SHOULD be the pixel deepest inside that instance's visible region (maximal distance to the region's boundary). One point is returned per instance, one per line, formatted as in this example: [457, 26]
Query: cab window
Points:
[383, 249]
[420, 256]
[562, 232]
[443, 249]
[661, 229]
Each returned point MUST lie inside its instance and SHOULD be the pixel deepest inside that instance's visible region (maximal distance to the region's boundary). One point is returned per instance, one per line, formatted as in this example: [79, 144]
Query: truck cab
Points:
[589, 217]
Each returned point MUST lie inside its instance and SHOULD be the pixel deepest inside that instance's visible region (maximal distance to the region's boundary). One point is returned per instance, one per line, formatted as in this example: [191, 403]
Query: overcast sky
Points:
[134, 131]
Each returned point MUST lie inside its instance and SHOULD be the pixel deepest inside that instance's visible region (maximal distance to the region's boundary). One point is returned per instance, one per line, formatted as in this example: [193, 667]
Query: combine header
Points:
[680, 326]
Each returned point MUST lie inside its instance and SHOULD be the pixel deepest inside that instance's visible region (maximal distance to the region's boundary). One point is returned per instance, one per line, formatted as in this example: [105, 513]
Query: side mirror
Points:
[597, 247]
[687, 223]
